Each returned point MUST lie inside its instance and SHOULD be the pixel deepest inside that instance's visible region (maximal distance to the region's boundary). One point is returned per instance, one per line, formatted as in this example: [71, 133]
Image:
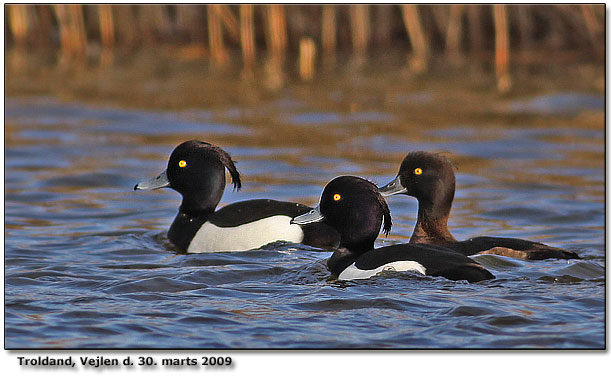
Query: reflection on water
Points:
[560, 103]
[88, 263]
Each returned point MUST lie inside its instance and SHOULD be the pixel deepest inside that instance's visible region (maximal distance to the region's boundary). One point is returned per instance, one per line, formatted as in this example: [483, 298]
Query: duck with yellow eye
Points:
[353, 207]
[430, 179]
[196, 170]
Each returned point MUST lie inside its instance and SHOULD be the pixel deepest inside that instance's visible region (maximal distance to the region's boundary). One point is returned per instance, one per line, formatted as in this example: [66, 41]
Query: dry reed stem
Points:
[215, 33]
[64, 35]
[359, 25]
[147, 22]
[230, 21]
[189, 18]
[18, 23]
[277, 30]
[127, 31]
[160, 17]
[247, 37]
[440, 15]
[276, 42]
[45, 25]
[329, 32]
[415, 32]
[525, 27]
[107, 27]
[382, 26]
[78, 31]
[501, 28]
[593, 27]
[453, 32]
[474, 20]
[566, 29]
[307, 58]
[574, 20]
[72, 33]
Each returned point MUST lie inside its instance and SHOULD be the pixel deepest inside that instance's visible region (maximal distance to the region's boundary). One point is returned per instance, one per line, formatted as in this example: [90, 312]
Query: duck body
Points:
[510, 247]
[247, 225]
[430, 179]
[424, 259]
[353, 207]
[197, 171]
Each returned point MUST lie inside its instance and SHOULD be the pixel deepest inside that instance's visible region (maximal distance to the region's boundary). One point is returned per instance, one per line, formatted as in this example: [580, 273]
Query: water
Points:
[87, 263]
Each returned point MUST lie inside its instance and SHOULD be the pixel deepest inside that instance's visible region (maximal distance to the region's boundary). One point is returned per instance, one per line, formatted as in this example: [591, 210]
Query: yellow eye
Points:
[337, 197]
[417, 171]
[182, 163]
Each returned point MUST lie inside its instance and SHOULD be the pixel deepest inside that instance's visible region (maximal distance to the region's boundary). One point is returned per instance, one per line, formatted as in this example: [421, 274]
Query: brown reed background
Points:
[314, 34]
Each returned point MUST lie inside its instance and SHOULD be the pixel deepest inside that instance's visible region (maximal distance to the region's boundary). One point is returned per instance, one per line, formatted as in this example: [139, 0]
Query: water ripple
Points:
[88, 263]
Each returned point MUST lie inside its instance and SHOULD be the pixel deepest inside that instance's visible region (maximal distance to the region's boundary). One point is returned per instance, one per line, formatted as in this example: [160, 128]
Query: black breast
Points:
[184, 228]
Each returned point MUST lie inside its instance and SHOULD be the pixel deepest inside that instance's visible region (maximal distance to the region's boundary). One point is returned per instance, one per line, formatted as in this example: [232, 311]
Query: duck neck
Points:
[358, 248]
[185, 226]
[340, 260]
[359, 244]
[203, 194]
[432, 224]
[198, 207]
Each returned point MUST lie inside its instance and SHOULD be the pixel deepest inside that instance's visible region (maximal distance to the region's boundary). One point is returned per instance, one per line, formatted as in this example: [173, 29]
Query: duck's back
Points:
[248, 211]
[428, 260]
[253, 223]
[510, 247]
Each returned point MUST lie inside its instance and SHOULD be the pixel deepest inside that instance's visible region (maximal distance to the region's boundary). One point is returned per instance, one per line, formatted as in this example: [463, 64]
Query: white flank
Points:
[210, 238]
[353, 273]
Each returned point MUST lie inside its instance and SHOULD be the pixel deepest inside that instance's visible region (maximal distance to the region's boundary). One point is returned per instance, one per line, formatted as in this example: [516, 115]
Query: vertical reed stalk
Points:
[307, 58]
[64, 32]
[382, 26]
[45, 25]
[276, 41]
[229, 20]
[594, 28]
[359, 25]
[474, 19]
[185, 20]
[161, 18]
[553, 36]
[127, 25]
[77, 22]
[440, 15]
[573, 20]
[215, 34]
[454, 32]
[146, 22]
[501, 29]
[329, 33]
[107, 34]
[571, 28]
[525, 28]
[247, 37]
[189, 20]
[277, 31]
[107, 27]
[18, 23]
[154, 21]
[72, 32]
[415, 33]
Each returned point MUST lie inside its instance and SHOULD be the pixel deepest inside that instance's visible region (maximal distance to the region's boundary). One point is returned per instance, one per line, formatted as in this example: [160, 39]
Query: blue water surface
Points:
[88, 265]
